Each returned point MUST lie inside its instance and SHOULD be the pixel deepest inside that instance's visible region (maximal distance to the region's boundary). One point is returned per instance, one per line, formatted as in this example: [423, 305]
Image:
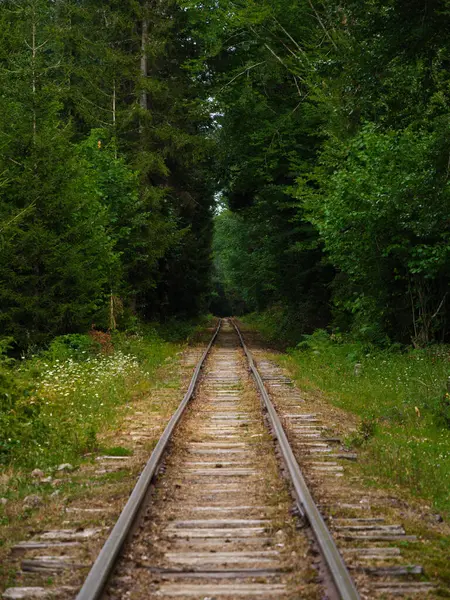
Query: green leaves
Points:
[345, 109]
[383, 215]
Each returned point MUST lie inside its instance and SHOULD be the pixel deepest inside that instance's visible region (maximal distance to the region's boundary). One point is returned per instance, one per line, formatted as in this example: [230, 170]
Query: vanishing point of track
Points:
[229, 549]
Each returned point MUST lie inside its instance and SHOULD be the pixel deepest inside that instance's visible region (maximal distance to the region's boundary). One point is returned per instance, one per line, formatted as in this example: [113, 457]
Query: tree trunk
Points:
[33, 71]
[144, 62]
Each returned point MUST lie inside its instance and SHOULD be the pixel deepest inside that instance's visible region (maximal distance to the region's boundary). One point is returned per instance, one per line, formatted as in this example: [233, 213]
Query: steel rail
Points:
[98, 576]
[342, 579]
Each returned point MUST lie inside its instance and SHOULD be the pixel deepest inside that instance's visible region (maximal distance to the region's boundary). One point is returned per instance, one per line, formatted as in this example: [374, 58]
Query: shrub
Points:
[102, 340]
[74, 345]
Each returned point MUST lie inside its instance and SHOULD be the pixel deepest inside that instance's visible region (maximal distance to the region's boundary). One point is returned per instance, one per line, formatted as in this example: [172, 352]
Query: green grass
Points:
[401, 399]
[54, 405]
[400, 396]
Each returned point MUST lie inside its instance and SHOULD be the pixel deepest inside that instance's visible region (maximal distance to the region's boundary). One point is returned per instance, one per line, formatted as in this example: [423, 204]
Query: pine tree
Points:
[55, 258]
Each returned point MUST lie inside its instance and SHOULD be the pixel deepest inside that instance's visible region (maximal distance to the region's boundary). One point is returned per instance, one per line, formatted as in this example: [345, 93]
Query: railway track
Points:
[219, 511]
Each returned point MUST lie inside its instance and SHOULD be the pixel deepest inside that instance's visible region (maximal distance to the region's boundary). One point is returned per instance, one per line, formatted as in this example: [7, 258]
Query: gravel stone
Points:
[32, 501]
[65, 467]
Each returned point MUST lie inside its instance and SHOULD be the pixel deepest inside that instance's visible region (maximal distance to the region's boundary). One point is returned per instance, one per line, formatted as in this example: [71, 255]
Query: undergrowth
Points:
[402, 399]
[54, 404]
[176, 330]
[279, 326]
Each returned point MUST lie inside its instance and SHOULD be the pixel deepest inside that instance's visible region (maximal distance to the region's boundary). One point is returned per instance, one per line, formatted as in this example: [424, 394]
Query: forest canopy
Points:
[322, 126]
[106, 198]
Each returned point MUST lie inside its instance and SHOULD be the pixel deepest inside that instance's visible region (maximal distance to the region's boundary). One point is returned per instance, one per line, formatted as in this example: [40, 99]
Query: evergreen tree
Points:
[105, 192]
[54, 259]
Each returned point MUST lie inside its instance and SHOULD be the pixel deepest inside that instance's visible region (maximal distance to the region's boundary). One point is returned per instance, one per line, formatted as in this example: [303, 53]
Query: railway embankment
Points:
[81, 428]
[388, 408]
[260, 490]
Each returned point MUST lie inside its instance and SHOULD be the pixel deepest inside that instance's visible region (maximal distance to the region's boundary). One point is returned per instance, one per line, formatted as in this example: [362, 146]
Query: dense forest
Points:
[311, 136]
[106, 198]
[335, 166]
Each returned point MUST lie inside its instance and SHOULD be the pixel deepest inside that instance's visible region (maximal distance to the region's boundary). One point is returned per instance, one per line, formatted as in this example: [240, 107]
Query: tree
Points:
[379, 193]
[104, 196]
[268, 135]
[55, 259]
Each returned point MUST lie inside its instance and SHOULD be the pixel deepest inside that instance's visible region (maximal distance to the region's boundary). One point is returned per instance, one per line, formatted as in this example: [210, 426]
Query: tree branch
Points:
[322, 25]
[440, 306]
[242, 73]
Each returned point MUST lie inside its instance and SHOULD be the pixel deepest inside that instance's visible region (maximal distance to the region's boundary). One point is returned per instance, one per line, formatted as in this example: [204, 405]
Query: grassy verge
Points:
[91, 396]
[54, 405]
[401, 399]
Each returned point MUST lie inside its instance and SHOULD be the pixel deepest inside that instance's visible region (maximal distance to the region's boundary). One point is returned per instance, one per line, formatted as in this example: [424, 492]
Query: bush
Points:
[380, 201]
[174, 330]
[75, 345]
[279, 325]
[12, 391]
